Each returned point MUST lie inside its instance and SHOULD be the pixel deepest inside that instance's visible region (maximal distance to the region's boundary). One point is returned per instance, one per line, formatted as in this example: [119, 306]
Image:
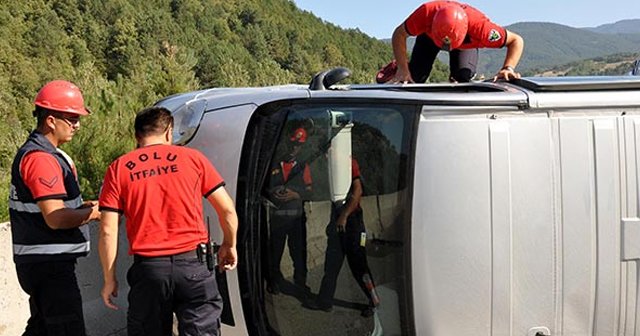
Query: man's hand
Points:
[287, 195]
[227, 258]
[95, 212]
[506, 73]
[341, 223]
[403, 76]
[109, 290]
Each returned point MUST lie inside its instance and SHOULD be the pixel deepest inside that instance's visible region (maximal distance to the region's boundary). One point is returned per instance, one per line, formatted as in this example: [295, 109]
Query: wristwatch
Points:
[508, 67]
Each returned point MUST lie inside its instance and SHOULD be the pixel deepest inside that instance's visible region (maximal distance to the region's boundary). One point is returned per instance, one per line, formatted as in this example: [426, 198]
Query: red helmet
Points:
[299, 136]
[449, 27]
[61, 96]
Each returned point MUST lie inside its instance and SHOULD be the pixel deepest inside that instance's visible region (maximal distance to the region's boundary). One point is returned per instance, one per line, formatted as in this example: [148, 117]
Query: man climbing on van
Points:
[454, 27]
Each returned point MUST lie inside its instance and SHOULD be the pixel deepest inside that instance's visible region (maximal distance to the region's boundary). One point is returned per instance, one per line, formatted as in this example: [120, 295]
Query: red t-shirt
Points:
[482, 33]
[287, 167]
[159, 189]
[355, 173]
[42, 174]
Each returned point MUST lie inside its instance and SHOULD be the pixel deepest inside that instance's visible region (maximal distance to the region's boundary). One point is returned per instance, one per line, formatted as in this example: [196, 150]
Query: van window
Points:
[335, 203]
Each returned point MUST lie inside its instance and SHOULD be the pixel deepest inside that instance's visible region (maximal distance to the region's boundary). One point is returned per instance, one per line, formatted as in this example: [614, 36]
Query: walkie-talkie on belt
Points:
[211, 253]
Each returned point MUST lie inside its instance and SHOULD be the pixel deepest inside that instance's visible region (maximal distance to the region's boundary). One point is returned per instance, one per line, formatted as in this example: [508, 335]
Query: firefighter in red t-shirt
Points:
[159, 188]
[346, 237]
[454, 27]
[289, 185]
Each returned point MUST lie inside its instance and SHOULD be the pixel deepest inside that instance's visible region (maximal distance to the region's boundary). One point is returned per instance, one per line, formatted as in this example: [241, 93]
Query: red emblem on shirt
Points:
[50, 183]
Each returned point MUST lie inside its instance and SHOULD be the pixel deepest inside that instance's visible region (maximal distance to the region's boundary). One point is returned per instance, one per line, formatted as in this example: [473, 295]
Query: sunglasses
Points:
[71, 121]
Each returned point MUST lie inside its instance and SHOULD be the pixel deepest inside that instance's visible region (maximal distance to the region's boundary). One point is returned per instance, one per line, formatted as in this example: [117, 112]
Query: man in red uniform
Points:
[289, 186]
[48, 215]
[159, 189]
[454, 27]
[346, 237]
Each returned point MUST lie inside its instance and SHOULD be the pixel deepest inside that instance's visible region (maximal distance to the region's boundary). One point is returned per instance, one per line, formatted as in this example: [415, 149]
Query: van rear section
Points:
[462, 209]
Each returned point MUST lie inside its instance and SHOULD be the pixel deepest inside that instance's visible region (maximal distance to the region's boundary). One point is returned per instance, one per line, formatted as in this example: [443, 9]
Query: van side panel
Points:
[630, 236]
[517, 226]
[502, 228]
[608, 226]
[578, 241]
[451, 232]
[533, 237]
[220, 137]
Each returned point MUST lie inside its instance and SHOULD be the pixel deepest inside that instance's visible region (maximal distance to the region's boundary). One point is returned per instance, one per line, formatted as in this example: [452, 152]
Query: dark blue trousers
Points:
[462, 62]
[54, 298]
[162, 286]
[291, 230]
[341, 245]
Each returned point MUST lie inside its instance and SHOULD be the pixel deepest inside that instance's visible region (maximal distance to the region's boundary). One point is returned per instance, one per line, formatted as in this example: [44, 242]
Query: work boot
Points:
[303, 287]
[314, 305]
[273, 288]
[367, 312]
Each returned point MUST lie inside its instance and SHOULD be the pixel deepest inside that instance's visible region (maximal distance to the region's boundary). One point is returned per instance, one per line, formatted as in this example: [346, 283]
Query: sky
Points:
[378, 18]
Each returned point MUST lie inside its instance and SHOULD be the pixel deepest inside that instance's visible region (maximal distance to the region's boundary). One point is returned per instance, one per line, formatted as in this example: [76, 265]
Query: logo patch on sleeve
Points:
[494, 35]
[49, 183]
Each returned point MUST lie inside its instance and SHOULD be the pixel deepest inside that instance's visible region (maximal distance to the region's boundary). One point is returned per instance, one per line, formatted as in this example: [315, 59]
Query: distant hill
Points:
[621, 27]
[549, 44]
[612, 65]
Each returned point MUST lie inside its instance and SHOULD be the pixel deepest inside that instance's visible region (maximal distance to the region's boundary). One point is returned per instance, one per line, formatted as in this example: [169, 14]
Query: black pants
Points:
[291, 230]
[164, 285]
[54, 298]
[339, 245]
[462, 63]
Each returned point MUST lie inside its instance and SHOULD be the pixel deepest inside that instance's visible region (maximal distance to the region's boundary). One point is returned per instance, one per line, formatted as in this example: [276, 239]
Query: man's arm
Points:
[108, 250]
[57, 216]
[515, 46]
[351, 206]
[399, 44]
[223, 204]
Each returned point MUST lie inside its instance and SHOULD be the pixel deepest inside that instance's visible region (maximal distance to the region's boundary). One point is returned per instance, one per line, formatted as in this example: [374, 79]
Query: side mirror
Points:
[325, 79]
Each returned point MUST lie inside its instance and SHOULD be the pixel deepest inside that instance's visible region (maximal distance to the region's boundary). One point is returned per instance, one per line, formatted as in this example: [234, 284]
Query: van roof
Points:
[525, 93]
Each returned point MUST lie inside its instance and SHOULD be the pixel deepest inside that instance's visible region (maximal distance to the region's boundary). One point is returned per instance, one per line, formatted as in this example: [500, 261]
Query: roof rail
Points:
[486, 86]
[578, 83]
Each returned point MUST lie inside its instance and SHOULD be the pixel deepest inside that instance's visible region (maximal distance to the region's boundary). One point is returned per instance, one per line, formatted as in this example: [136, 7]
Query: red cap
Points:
[299, 135]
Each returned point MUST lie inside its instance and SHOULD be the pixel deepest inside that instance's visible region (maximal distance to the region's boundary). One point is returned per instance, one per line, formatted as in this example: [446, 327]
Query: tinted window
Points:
[336, 198]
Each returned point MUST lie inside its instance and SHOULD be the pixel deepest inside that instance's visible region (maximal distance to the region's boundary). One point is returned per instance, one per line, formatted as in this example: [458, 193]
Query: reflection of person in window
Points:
[289, 186]
[346, 236]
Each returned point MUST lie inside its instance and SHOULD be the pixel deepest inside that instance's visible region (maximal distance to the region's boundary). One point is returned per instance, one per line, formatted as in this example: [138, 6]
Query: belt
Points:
[178, 256]
[292, 212]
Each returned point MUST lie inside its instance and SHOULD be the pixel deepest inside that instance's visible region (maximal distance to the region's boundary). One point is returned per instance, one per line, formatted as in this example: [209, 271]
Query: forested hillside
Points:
[126, 54]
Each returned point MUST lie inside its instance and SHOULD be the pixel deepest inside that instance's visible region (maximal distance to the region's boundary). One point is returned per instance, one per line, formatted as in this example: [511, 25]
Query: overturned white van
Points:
[490, 208]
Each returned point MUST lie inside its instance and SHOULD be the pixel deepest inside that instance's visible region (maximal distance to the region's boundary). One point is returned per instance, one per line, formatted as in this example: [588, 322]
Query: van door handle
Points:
[539, 331]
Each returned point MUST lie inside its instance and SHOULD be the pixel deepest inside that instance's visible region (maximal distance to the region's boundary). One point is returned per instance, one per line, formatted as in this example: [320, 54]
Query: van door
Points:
[324, 257]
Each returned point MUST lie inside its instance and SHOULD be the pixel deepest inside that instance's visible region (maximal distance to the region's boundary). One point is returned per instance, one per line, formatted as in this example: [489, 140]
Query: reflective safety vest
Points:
[33, 240]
